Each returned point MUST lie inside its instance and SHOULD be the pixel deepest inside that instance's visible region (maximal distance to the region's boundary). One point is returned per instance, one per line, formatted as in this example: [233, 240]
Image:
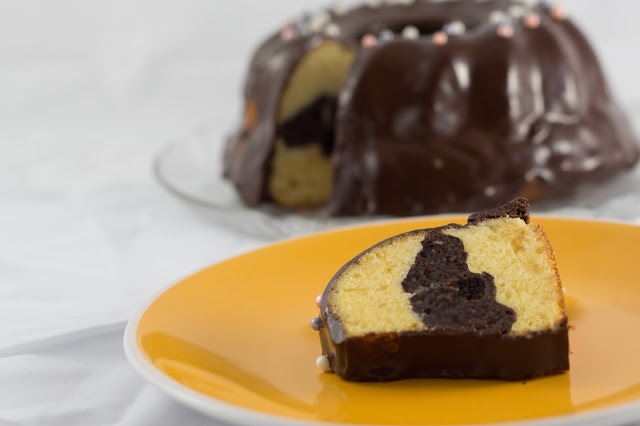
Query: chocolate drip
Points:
[450, 298]
[313, 124]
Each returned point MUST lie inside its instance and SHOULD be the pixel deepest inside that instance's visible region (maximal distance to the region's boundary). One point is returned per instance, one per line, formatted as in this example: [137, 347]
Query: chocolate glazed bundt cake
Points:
[481, 301]
[424, 106]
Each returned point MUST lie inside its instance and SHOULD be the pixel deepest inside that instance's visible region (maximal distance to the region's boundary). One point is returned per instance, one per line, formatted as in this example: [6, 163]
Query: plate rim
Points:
[618, 415]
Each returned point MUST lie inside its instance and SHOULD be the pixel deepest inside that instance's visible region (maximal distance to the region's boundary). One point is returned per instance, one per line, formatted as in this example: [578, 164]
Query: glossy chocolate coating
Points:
[480, 347]
[385, 357]
[423, 128]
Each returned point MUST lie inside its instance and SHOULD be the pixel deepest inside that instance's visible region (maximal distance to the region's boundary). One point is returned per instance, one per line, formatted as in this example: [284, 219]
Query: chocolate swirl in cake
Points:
[450, 298]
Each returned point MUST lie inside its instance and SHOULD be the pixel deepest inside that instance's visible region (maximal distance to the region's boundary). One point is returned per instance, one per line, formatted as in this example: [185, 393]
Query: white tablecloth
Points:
[89, 92]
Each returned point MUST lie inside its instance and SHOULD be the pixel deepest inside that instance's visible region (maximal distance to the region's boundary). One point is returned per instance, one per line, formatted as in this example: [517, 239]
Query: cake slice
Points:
[483, 300]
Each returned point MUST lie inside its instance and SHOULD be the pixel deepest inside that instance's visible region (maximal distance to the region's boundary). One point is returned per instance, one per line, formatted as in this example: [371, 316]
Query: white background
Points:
[89, 92]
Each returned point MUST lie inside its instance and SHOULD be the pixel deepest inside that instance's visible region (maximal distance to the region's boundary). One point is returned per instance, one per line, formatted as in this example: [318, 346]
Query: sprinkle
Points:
[406, 2]
[455, 28]
[369, 40]
[319, 20]
[332, 30]
[496, 17]
[517, 11]
[410, 32]
[386, 35]
[374, 3]
[559, 12]
[288, 33]
[318, 300]
[532, 21]
[438, 163]
[323, 363]
[505, 30]
[317, 323]
[440, 38]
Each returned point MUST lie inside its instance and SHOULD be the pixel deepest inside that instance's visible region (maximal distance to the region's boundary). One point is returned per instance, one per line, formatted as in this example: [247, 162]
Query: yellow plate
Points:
[234, 340]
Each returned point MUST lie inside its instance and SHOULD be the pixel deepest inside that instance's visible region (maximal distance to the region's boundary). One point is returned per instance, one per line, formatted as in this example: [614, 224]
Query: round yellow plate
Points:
[234, 340]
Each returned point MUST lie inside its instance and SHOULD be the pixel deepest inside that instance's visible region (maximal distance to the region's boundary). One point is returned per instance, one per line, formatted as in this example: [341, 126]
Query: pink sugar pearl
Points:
[440, 38]
[559, 12]
[505, 31]
[369, 40]
[288, 33]
[532, 21]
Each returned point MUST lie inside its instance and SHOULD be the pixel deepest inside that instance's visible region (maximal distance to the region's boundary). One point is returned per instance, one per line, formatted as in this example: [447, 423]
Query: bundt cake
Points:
[481, 301]
[422, 106]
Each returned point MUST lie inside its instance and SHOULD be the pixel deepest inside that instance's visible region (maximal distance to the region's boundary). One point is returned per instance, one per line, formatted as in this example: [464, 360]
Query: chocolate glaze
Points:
[455, 343]
[385, 357]
[517, 208]
[423, 128]
[449, 297]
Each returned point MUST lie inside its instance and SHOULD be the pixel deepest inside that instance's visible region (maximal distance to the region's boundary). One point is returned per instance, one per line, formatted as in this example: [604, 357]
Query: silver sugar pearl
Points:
[317, 324]
[332, 30]
[386, 35]
[323, 363]
[455, 28]
[410, 32]
[496, 17]
[319, 20]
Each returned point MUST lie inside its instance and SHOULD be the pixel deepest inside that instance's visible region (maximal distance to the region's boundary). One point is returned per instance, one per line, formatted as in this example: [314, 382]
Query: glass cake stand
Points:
[190, 168]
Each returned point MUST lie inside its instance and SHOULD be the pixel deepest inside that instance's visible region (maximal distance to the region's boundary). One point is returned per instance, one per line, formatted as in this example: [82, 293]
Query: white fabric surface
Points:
[89, 91]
